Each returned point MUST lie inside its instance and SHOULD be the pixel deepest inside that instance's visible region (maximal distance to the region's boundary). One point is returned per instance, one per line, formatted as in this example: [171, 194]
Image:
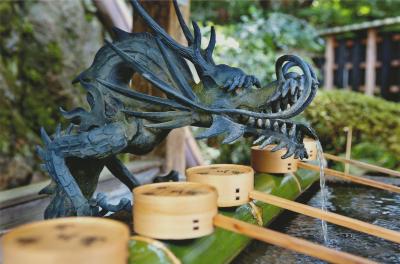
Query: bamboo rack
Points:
[173, 202]
[286, 241]
[363, 165]
[327, 216]
[353, 178]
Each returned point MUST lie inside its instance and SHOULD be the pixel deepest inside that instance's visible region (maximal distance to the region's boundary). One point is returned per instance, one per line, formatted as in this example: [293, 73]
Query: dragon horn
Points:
[192, 52]
[161, 85]
[179, 81]
[211, 46]
[185, 28]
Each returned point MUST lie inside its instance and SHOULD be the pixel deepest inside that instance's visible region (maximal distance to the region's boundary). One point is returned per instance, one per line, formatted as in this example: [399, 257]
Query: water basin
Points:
[366, 204]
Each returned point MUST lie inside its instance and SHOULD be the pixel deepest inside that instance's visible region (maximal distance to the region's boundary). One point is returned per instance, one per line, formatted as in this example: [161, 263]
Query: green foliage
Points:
[328, 13]
[236, 153]
[320, 13]
[222, 11]
[375, 123]
[369, 153]
[255, 43]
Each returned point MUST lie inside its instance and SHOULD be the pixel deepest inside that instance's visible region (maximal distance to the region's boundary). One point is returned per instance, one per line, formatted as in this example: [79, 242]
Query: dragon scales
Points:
[226, 102]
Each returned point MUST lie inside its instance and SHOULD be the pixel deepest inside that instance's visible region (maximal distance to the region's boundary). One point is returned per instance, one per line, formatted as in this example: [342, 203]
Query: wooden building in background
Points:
[363, 57]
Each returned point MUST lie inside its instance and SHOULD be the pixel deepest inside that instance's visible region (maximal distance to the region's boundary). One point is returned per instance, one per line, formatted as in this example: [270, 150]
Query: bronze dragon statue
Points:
[226, 102]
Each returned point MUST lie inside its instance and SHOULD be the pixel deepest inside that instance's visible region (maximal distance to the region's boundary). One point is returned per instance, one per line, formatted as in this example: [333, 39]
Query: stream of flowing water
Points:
[322, 164]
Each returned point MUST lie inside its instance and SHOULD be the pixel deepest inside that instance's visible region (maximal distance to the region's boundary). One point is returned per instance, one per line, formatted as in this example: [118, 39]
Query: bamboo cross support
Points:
[363, 165]
[327, 216]
[353, 178]
[286, 241]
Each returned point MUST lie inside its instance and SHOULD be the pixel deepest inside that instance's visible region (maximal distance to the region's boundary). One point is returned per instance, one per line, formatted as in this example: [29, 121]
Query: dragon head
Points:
[245, 109]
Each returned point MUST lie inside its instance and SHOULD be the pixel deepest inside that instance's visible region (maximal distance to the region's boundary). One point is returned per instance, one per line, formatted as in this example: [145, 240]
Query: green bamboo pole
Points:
[222, 246]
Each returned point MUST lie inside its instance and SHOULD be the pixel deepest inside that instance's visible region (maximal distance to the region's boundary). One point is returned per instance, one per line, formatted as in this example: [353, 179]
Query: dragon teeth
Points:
[267, 123]
[283, 128]
[276, 126]
[293, 90]
[259, 123]
[288, 106]
[292, 130]
[251, 120]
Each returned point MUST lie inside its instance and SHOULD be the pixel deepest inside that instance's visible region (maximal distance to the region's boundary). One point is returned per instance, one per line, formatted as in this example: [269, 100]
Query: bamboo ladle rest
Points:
[264, 160]
[363, 165]
[234, 184]
[186, 210]
[76, 240]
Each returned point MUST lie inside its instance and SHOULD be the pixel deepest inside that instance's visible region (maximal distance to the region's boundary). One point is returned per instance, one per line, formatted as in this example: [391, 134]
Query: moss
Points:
[5, 15]
[35, 101]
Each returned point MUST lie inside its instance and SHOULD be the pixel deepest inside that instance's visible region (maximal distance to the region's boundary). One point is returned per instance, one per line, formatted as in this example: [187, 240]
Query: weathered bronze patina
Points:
[121, 120]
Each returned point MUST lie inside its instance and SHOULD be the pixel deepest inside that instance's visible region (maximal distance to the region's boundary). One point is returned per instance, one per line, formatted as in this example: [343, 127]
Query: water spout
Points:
[322, 164]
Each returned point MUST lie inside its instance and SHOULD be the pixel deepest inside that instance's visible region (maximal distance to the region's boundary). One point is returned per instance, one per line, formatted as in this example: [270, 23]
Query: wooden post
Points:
[163, 12]
[329, 62]
[114, 14]
[370, 74]
[349, 138]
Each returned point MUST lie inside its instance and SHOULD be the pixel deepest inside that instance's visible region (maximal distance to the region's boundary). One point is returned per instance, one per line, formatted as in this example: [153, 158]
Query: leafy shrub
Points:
[375, 122]
[256, 42]
[370, 153]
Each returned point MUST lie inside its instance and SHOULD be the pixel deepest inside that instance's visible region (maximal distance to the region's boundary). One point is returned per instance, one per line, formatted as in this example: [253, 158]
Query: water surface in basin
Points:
[370, 205]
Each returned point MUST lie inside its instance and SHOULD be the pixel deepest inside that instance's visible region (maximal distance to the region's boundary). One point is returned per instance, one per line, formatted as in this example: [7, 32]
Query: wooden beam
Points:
[192, 150]
[329, 62]
[330, 217]
[353, 178]
[363, 165]
[370, 73]
[163, 12]
[114, 13]
[285, 241]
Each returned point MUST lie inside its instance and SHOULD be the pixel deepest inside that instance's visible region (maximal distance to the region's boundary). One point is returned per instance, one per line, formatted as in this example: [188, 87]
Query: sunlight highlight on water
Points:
[322, 164]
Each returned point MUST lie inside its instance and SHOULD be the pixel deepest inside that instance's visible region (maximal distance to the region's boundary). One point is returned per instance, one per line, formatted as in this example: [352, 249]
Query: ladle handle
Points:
[353, 178]
[363, 165]
[286, 241]
[327, 216]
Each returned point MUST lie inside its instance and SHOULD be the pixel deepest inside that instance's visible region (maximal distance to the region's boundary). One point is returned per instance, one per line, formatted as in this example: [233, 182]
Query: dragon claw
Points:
[101, 200]
[241, 81]
[267, 142]
[235, 84]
